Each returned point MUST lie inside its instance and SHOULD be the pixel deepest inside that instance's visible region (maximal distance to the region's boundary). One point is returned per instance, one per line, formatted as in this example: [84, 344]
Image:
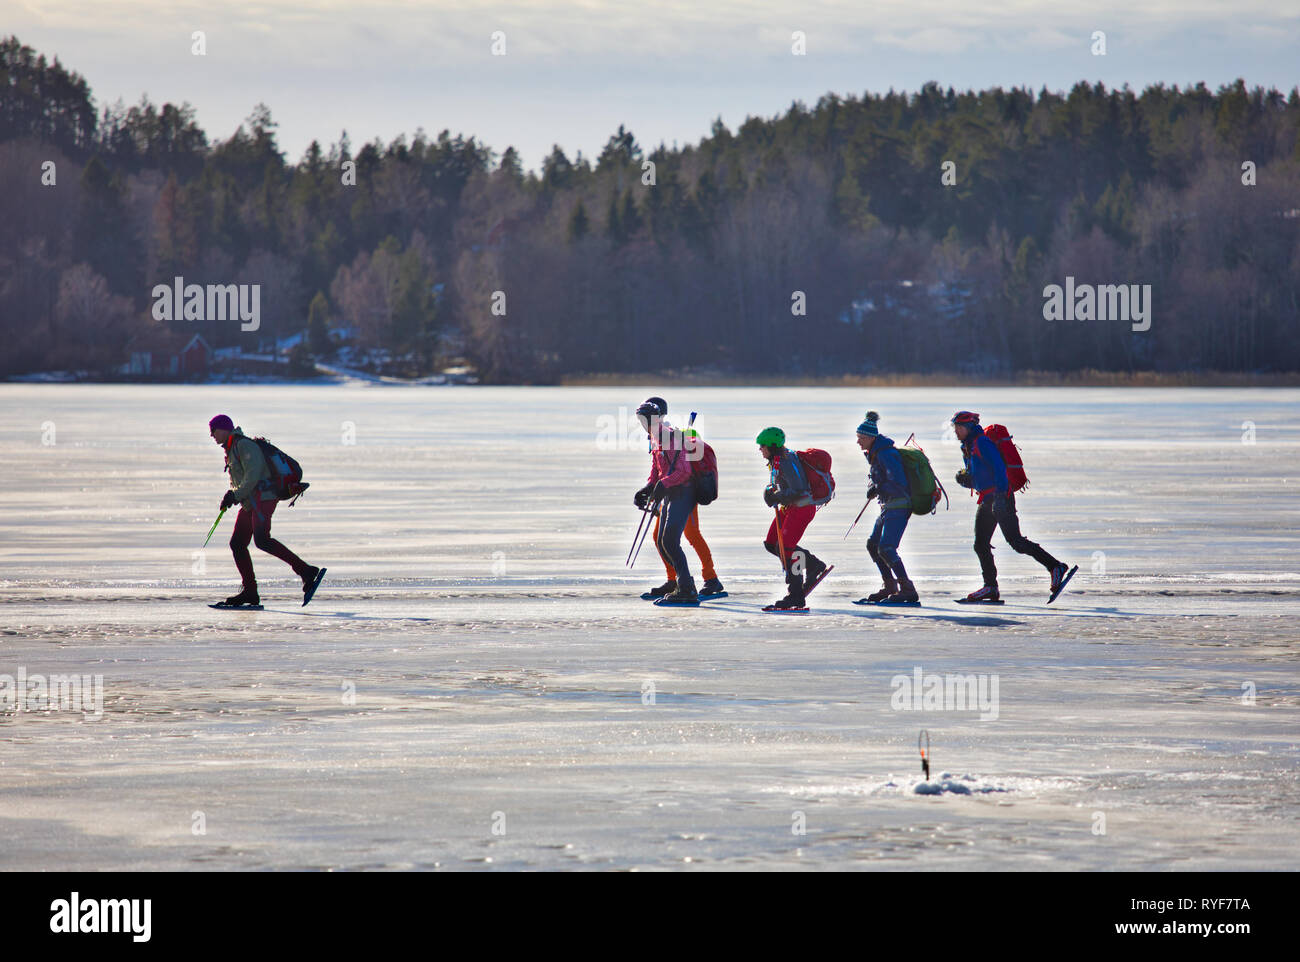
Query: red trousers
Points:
[255, 525]
[697, 542]
[794, 522]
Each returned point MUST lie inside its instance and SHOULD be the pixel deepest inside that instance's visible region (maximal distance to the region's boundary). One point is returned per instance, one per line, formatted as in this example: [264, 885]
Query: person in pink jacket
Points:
[670, 487]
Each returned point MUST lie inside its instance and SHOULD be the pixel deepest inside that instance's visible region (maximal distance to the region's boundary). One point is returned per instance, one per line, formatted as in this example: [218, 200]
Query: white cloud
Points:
[931, 40]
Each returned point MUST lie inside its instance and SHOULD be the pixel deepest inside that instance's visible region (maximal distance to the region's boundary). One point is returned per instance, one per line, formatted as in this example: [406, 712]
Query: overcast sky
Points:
[573, 71]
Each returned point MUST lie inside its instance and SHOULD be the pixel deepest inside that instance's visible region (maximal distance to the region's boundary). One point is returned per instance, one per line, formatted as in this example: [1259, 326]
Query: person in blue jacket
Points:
[888, 484]
[986, 474]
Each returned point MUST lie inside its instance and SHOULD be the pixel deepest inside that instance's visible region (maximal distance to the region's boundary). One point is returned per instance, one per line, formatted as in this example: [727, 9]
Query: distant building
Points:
[163, 354]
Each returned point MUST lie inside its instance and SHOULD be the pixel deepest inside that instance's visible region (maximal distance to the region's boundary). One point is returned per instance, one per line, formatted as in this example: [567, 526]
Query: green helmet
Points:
[771, 438]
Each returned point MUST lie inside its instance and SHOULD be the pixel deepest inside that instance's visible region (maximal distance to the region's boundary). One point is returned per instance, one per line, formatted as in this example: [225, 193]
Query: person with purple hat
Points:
[252, 488]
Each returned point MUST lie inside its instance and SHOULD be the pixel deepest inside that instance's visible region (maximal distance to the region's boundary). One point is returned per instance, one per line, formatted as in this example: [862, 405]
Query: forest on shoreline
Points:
[870, 236]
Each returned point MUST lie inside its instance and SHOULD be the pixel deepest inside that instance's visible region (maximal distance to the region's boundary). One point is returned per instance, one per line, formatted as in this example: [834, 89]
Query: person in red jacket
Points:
[712, 587]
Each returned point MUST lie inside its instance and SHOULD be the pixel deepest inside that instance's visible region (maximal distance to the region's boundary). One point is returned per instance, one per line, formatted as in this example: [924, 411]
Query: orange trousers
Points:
[697, 541]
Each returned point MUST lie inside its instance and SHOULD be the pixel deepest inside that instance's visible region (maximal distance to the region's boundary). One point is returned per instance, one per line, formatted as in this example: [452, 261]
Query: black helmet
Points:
[656, 406]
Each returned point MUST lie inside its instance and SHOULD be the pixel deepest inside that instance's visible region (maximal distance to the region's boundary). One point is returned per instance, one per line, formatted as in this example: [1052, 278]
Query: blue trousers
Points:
[884, 540]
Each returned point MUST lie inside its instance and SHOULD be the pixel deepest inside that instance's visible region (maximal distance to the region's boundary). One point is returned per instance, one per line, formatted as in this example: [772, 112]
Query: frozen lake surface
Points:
[478, 685]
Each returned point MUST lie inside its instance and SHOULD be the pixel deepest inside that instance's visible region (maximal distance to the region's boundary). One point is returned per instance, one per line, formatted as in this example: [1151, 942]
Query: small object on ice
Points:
[925, 751]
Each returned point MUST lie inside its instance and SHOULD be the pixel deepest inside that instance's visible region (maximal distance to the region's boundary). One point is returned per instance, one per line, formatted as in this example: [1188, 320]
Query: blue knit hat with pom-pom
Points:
[868, 427]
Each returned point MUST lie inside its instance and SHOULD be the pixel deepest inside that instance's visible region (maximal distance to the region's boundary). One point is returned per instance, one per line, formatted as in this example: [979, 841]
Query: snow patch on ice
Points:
[945, 784]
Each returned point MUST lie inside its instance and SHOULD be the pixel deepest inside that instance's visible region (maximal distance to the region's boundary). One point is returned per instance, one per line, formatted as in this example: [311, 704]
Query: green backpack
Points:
[921, 482]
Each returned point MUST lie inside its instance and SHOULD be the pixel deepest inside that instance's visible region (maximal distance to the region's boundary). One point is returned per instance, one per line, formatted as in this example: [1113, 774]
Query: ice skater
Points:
[252, 488]
[670, 487]
[790, 492]
[888, 484]
[657, 407]
[986, 474]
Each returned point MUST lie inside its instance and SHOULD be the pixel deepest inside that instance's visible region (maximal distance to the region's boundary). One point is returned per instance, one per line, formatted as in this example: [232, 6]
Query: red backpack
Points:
[1001, 437]
[286, 473]
[820, 482]
[704, 475]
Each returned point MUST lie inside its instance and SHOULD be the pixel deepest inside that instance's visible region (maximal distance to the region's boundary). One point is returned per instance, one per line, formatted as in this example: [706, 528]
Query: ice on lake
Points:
[477, 685]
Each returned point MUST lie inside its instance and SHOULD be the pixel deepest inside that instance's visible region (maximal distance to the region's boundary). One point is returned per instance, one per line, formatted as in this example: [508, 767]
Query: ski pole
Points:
[856, 520]
[780, 541]
[635, 537]
[214, 527]
[655, 511]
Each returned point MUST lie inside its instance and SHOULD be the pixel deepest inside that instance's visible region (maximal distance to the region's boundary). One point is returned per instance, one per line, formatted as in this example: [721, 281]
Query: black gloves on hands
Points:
[642, 498]
[228, 500]
[872, 492]
[963, 478]
[770, 496]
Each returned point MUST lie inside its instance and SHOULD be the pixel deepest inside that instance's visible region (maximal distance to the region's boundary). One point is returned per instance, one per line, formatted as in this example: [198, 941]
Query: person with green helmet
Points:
[790, 492]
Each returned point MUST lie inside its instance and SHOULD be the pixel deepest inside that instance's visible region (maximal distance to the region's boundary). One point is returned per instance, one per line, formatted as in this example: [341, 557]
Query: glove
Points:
[228, 500]
[872, 492]
[963, 478]
[770, 496]
[659, 491]
[642, 498]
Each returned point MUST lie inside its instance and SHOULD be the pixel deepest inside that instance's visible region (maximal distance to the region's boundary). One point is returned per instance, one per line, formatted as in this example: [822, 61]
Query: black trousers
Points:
[1000, 511]
[673, 515]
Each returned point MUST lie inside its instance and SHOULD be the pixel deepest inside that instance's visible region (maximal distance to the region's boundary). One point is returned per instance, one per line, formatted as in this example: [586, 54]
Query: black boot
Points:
[667, 588]
[887, 590]
[712, 588]
[906, 592]
[246, 598]
[795, 597]
[310, 582]
[813, 568]
[684, 595]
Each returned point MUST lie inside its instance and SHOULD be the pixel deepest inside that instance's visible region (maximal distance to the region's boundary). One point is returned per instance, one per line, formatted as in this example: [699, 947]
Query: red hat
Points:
[965, 417]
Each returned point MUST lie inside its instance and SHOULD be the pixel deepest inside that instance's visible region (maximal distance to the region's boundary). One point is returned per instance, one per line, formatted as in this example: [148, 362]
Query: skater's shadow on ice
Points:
[1034, 611]
[978, 621]
[351, 616]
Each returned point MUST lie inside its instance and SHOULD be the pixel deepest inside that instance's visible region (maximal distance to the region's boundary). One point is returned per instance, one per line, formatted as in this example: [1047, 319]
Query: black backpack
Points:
[286, 473]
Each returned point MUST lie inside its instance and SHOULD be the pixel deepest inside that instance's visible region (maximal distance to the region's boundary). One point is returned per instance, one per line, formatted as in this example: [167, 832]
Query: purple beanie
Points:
[221, 421]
